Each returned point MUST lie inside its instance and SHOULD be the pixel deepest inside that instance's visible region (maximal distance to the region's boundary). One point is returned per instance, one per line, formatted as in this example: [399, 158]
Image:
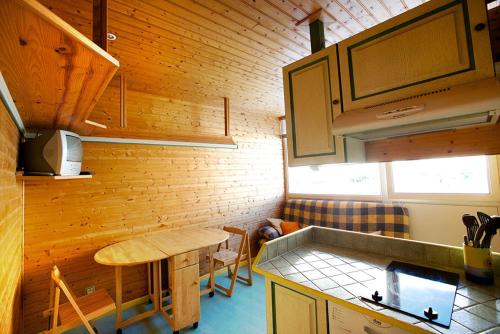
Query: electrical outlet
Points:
[90, 289]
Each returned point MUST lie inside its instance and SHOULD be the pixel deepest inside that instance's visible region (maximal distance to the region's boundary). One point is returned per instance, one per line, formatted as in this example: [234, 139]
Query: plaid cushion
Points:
[391, 220]
[268, 232]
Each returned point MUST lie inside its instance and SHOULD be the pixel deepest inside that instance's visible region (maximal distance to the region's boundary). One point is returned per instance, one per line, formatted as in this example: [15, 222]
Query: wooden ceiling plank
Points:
[186, 47]
[154, 44]
[298, 13]
[205, 33]
[267, 21]
[165, 65]
[378, 10]
[187, 9]
[340, 15]
[338, 27]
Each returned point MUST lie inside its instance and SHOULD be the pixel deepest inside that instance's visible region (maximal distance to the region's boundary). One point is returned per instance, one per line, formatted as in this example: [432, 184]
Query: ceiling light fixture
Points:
[111, 36]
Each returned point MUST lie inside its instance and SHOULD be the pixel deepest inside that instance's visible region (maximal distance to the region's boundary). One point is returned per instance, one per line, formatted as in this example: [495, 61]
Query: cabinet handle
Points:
[479, 26]
[335, 102]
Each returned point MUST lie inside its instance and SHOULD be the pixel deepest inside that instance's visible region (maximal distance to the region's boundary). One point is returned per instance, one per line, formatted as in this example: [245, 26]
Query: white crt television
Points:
[56, 152]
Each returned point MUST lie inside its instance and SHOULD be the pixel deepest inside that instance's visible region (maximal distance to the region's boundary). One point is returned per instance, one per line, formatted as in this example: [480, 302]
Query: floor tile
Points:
[455, 328]
[346, 268]
[313, 274]
[360, 276]
[474, 294]
[319, 264]
[356, 289]
[335, 262]
[471, 321]
[303, 267]
[343, 280]
[485, 312]
[330, 271]
[325, 283]
[462, 301]
[361, 265]
[296, 277]
[288, 270]
[339, 293]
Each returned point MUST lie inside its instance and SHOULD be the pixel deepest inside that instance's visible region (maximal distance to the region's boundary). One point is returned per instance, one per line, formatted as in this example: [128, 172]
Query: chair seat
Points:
[92, 305]
[225, 257]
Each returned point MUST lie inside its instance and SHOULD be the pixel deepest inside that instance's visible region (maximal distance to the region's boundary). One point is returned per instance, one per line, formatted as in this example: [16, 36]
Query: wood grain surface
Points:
[11, 253]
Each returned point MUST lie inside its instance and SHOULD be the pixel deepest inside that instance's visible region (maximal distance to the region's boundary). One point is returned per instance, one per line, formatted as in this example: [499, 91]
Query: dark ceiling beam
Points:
[100, 23]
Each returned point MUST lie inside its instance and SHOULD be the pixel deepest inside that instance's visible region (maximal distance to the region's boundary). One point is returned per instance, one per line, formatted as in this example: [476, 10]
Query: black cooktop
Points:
[423, 292]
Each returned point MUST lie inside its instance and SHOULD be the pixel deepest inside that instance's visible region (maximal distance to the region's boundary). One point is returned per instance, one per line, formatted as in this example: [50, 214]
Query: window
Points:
[463, 175]
[338, 179]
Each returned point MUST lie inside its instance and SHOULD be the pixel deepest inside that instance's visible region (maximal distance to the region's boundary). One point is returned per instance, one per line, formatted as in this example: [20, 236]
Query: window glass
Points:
[338, 179]
[463, 175]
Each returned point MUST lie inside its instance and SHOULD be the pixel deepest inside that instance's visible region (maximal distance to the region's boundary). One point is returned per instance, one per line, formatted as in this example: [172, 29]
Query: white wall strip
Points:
[10, 105]
[154, 142]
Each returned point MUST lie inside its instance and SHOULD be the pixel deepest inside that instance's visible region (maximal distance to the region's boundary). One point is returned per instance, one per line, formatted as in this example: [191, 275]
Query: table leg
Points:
[118, 297]
[156, 285]
[212, 271]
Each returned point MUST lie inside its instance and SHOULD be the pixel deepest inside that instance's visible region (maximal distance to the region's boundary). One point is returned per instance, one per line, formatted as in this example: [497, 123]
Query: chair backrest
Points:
[245, 239]
[59, 281]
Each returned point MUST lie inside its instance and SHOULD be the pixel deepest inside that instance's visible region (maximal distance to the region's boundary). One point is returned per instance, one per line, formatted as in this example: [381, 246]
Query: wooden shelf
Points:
[54, 73]
[20, 176]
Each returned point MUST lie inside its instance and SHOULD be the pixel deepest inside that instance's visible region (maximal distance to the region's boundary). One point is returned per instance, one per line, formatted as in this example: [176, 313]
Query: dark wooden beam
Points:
[317, 32]
[100, 23]
[450, 143]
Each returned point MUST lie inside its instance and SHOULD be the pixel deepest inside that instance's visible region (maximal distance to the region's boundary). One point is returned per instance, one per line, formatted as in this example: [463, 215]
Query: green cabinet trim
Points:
[273, 299]
[334, 151]
[470, 49]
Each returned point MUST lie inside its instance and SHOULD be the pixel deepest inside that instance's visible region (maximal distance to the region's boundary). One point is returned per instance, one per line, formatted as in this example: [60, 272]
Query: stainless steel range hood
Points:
[472, 104]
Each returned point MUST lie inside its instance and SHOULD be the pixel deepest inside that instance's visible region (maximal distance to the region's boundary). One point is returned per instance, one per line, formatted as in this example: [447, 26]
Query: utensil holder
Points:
[478, 265]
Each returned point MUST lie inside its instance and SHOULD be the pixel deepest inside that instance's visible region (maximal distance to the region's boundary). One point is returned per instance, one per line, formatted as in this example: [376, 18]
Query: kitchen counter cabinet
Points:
[317, 269]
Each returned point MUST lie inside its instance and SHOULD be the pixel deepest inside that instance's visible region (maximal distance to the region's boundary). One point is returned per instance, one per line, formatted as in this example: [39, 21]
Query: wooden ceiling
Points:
[202, 50]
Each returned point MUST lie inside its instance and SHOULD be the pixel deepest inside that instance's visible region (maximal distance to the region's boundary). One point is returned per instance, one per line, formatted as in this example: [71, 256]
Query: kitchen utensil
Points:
[483, 217]
[490, 230]
[471, 224]
[479, 235]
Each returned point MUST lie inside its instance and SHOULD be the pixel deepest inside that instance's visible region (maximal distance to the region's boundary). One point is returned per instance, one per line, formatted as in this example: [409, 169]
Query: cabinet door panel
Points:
[310, 91]
[294, 313]
[432, 46]
[312, 100]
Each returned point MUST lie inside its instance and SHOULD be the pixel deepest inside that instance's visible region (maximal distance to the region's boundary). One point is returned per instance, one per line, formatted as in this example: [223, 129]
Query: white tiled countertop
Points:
[344, 273]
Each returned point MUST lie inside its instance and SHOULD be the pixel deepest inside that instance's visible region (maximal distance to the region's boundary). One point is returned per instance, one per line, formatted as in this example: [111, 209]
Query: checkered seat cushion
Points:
[390, 220]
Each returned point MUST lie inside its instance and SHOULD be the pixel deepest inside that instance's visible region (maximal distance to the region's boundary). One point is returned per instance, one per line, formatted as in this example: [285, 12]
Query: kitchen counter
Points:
[340, 265]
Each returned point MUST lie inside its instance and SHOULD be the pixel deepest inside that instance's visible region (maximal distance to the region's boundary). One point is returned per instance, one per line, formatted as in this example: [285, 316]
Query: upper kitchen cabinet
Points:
[312, 101]
[436, 45]
[55, 74]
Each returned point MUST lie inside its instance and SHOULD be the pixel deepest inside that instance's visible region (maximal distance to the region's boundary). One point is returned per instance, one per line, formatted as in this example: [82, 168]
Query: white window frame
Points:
[346, 197]
[450, 198]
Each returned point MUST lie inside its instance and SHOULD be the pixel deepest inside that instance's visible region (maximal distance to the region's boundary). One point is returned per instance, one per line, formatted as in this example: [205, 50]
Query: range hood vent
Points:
[472, 104]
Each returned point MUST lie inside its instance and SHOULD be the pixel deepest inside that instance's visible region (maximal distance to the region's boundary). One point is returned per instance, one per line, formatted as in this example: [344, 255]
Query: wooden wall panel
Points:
[138, 189]
[11, 256]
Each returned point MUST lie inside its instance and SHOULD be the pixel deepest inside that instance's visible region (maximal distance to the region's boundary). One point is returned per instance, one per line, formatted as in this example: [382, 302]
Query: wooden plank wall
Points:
[11, 254]
[138, 189]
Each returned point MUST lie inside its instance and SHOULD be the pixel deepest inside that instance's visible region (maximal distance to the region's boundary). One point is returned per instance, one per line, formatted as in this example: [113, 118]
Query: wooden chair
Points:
[77, 310]
[227, 257]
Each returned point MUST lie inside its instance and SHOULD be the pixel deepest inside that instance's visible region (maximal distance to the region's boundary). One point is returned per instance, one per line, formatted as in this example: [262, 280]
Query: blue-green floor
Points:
[243, 313]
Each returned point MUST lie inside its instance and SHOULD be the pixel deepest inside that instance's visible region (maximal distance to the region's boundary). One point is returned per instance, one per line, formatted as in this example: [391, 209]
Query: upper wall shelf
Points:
[21, 176]
[54, 73]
